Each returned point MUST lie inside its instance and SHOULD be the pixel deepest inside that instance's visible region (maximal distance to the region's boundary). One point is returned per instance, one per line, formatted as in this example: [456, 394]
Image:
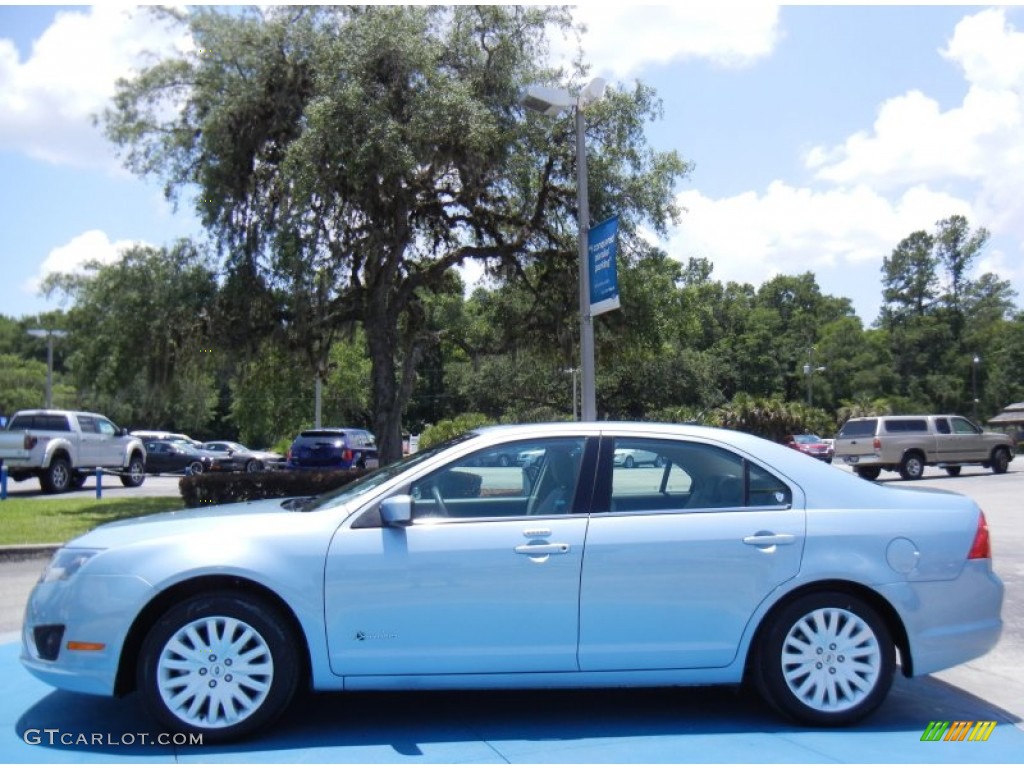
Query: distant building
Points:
[1010, 421]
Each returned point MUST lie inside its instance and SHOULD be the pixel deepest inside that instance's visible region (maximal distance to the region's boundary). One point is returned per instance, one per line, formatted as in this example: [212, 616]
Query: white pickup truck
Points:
[61, 448]
[907, 444]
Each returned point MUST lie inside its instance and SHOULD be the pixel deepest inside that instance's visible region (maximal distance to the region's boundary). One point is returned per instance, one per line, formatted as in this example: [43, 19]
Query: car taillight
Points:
[30, 442]
[346, 455]
[877, 444]
[981, 547]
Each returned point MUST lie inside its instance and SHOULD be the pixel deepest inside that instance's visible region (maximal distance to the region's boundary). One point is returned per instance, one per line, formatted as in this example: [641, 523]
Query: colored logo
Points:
[958, 730]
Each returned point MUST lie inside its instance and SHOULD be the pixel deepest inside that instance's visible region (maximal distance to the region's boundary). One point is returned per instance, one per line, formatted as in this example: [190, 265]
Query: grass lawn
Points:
[38, 521]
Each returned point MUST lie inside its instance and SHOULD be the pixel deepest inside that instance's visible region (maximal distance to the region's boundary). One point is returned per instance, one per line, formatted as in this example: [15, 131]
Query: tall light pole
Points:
[809, 371]
[49, 335]
[553, 102]
[974, 385]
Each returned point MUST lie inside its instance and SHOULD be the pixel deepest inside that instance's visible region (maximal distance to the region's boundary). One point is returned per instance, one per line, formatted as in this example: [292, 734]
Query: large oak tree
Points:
[347, 158]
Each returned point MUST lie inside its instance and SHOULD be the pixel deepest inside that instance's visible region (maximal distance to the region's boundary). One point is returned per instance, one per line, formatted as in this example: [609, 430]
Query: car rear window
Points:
[47, 422]
[905, 425]
[862, 428]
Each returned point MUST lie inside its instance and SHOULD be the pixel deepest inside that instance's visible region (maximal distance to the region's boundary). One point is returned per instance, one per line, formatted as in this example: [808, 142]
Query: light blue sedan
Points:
[735, 560]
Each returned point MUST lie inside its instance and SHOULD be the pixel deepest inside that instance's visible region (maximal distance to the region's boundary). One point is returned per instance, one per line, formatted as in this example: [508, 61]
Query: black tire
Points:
[912, 466]
[134, 474]
[868, 473]
[56, 478]
[807, 667]
[196, 467]
[253, 465]
[258, 695]
[1000, 460]
[628, 463]
[953, 471]
[78, 480]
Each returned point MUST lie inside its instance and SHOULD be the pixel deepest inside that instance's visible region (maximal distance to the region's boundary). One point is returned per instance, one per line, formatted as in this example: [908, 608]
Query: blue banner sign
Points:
[604, 277]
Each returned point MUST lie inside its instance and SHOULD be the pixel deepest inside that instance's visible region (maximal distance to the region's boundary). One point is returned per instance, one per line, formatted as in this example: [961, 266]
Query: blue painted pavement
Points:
[694, 725]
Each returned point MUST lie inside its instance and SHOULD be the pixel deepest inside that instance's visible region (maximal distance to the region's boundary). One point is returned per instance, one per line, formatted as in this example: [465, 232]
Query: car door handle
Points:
[769, 539]
[542, 549]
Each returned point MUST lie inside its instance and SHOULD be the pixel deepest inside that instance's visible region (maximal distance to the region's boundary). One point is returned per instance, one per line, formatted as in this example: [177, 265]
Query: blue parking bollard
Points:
[99, 483]
[3, 483]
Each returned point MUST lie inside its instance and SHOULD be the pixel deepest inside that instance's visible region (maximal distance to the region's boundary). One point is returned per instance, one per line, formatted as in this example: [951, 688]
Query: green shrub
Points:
[230, 487]
[449, 428]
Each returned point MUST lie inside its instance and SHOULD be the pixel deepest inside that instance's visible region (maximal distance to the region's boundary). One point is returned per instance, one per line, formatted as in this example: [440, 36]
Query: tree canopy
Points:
[346, 159]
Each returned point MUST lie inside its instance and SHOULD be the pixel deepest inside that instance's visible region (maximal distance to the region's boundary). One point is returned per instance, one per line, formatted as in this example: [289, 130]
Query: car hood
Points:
[220, 520]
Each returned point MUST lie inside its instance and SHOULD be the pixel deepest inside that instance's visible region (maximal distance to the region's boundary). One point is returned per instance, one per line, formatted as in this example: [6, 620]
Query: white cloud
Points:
[622, 39]
[93, 245]
[48, 100]
[980, 141]
[789, 230]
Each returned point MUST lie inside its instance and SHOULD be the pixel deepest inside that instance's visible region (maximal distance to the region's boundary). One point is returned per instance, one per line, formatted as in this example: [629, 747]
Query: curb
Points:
[27, 551]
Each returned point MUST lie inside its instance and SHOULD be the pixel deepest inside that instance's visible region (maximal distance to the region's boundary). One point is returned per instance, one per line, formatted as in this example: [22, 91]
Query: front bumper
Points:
[94, 612]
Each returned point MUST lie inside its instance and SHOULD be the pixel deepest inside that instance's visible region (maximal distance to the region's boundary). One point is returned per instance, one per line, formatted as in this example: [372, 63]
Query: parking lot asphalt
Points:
[693, 725]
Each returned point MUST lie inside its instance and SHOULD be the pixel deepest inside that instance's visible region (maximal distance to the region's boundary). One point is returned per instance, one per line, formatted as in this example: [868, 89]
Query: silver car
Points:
[735, 560]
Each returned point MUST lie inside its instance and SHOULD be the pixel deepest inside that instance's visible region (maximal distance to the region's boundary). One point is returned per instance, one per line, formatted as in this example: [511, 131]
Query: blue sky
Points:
[821, 135]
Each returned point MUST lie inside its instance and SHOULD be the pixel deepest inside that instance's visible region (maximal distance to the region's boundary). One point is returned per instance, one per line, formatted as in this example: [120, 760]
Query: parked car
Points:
[333, 448]
[236, 457]
[751, 563]
[62, 448]
[812, 445]
[157, 434]
[633, 457]
[177, 456]
[907, 444]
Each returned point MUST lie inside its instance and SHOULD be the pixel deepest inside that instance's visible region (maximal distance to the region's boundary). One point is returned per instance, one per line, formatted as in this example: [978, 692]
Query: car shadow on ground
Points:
[532, 726]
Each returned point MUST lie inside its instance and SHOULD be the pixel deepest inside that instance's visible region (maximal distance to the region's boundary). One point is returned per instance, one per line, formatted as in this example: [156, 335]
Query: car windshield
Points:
[806, 439]
[377, 477]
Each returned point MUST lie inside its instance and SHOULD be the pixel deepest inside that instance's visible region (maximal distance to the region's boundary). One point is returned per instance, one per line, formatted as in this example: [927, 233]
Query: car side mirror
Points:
[396, 511]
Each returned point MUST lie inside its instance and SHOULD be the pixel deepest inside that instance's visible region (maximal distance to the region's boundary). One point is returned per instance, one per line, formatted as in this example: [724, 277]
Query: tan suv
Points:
[907, 444]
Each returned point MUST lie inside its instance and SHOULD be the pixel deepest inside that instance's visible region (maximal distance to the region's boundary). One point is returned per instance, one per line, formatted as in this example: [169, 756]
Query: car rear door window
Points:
[693, 476]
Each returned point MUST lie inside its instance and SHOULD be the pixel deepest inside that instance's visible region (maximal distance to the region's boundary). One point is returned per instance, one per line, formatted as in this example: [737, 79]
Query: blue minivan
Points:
[333, 448]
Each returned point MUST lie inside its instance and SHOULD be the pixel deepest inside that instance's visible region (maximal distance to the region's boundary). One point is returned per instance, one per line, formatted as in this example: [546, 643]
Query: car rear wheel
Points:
[868, 473]
[825, 659]
[56, 478]
[1000, 460]
[912, 466]
[253, 465]
[953, 471]
[220, 665]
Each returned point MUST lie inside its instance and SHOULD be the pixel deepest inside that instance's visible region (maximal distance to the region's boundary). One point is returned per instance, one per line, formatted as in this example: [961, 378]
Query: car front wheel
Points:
[825, 659]
[220, 665]
[135, 473]
[1000, 460]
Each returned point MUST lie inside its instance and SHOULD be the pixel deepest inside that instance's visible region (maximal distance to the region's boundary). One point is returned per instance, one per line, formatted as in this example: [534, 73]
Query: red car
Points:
[812, 445]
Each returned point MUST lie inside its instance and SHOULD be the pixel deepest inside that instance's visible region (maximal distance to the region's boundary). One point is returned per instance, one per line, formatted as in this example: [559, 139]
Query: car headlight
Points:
[65, 564]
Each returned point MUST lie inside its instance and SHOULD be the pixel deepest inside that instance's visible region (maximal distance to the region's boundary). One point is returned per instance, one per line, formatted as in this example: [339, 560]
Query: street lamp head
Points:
[593, 92]
[546, 100]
